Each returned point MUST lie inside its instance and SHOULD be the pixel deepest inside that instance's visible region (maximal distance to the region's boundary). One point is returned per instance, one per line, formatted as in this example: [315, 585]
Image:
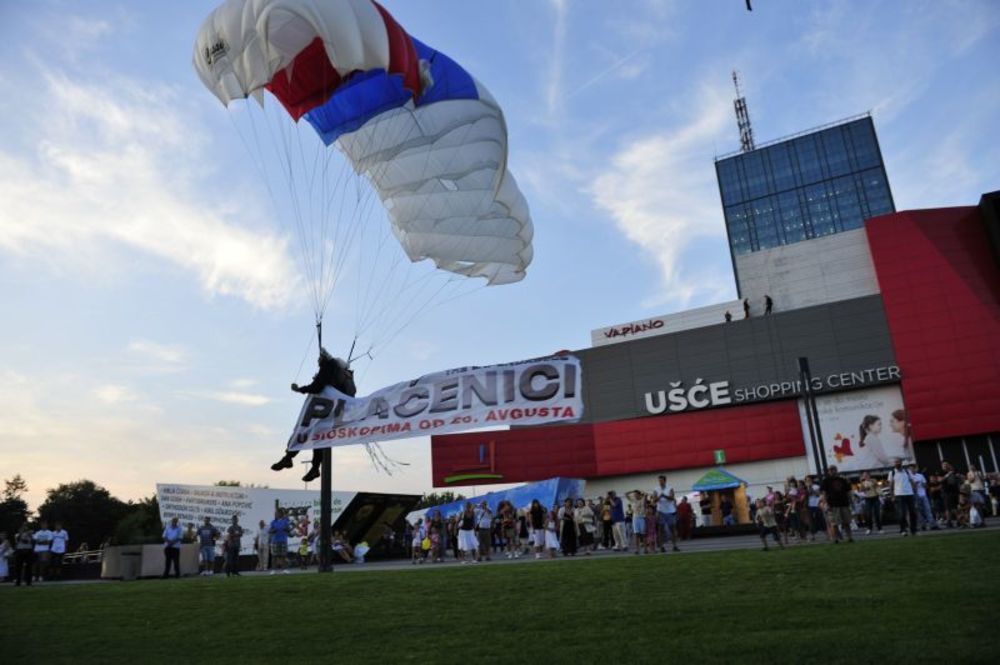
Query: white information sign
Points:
[191, 504]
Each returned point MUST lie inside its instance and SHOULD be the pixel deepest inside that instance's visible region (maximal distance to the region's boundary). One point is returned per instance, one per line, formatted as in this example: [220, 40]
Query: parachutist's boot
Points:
[284, 463]
[313, 473]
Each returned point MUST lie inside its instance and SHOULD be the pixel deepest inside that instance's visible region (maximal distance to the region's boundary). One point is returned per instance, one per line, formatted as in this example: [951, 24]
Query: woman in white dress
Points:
[467, 541]
[552, 531]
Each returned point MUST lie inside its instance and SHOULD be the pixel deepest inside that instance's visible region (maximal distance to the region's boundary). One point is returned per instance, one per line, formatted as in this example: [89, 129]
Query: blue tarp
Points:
[548, 492]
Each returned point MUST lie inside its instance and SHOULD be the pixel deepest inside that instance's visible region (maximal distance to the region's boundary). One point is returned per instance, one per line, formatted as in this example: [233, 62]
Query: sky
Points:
[155, 308]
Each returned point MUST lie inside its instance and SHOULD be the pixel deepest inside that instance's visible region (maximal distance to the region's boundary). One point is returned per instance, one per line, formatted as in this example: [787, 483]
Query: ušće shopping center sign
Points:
[679, 397]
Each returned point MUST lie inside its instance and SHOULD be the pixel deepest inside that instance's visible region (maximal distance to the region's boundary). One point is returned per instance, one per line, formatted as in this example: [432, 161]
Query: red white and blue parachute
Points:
[429, 138]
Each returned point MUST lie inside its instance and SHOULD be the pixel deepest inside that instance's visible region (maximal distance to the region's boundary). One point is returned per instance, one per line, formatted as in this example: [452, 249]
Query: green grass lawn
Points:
[893, 600]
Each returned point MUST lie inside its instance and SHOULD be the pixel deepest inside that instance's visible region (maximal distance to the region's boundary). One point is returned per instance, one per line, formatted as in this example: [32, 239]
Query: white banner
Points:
[191, 504]
[532, 392]
[862, 429]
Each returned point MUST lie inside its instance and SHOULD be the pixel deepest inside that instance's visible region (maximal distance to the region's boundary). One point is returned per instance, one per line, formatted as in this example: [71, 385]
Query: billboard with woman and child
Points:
[862, 429]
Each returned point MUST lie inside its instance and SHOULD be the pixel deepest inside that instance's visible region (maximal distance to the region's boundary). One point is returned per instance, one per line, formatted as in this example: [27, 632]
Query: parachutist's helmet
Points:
[324, 356]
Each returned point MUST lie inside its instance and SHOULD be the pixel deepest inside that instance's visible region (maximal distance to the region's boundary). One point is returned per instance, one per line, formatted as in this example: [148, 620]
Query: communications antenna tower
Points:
[742, 117]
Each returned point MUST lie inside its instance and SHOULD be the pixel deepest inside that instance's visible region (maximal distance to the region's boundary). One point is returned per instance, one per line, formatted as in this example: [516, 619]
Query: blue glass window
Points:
[738, 222]
[810, 165]
[847, 203]
[729, 182]
[753, 168]
[813, 185]
[837, 162]
[782, 168]
[792, 220]
[862, 135]
[876, 191]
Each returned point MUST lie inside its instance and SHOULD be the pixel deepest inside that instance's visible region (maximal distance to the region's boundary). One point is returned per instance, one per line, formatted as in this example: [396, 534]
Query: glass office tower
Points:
[815, 184]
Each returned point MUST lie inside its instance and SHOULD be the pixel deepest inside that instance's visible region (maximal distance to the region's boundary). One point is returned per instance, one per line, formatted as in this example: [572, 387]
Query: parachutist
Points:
[335, 373]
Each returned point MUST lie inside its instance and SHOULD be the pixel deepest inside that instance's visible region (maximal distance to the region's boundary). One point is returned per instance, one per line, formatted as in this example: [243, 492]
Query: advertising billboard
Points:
[861, 429]
[191, 504]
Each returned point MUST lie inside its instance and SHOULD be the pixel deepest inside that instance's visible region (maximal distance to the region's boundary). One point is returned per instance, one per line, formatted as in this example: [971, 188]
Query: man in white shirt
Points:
[43, 540]
[666, 513]
[484, 531]
[904, 492]
[923, 501]
[57, 549]
[172, 536]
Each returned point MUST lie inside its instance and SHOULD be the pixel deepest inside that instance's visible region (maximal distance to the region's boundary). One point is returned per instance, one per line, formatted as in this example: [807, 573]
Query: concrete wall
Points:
[811, 272]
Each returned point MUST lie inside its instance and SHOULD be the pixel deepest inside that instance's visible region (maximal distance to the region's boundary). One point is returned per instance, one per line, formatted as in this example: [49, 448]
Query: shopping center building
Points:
[896, 314]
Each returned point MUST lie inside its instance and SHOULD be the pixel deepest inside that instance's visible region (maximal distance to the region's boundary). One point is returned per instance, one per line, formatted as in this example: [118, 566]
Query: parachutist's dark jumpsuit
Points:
[329, 374]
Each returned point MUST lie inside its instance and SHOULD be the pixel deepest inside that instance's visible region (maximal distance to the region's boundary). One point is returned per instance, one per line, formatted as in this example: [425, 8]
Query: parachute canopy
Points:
[429, 137]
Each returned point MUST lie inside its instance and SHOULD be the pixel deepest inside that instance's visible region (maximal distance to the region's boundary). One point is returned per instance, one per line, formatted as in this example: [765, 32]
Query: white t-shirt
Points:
[901, 485]
[43, 538]
[59, 539]
[814, 496]
[664, 504]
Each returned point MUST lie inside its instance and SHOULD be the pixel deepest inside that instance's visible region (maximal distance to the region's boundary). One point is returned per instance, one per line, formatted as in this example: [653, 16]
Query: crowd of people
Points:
[645, 524]
[33, 555]
[270, 544]
[837, 507]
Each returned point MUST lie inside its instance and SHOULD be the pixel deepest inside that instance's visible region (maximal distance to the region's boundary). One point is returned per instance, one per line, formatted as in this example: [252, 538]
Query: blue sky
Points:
[153, 309]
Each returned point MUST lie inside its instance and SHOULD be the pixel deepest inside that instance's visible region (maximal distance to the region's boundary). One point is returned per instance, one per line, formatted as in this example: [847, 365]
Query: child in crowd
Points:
[767, 524]
[417, 550]
[637, 504]
[303, 552]
[651, 526]
[435, 537]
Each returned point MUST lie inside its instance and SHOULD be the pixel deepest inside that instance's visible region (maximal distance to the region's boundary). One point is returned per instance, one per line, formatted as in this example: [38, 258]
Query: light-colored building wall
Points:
[758, 475]
[699, 317]
[811, 272]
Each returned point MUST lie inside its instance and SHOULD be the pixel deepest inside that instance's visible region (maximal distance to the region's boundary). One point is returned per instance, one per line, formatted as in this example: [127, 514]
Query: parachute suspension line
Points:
[257, 153]
[305, 238]
[381, 461]
[305, 354]
[373, 314]
[379, 140]
[426, 302]
[281, 151]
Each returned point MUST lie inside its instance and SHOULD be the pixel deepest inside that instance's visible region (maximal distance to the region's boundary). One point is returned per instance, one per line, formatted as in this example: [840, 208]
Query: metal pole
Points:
[325, 492]
[812, 416]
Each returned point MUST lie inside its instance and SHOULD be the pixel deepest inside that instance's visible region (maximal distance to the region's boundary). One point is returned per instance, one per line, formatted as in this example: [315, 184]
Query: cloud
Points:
[112, 394]
[663, 205]
[243, 383]
[122, 165]
[231, 397]
[166, 353]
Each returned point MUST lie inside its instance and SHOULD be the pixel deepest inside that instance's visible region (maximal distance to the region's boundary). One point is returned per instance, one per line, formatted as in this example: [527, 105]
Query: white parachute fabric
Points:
[441, 173]
[244, 43]
[439, 169]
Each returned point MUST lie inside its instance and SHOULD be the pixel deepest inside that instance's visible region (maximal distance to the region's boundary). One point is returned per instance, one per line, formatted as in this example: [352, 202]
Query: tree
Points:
[141, 525]
[13, 509]
[14, 488]
[435, 499]
[86, 510]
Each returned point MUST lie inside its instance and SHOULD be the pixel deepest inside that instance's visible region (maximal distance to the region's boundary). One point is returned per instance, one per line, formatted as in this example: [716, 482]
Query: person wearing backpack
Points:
[904, 492]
